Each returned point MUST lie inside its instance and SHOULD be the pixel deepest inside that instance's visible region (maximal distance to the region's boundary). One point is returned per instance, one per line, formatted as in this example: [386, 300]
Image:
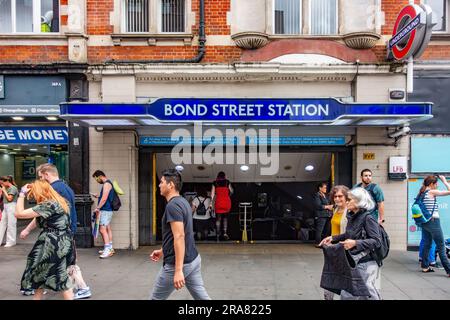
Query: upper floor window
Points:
[440, 13]
[137, 16]
[288, 16]
[322, 16]
[173, 15]
[29, 16]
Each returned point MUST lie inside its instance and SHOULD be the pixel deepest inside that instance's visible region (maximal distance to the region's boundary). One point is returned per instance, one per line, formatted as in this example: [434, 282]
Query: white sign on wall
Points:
[398, 167]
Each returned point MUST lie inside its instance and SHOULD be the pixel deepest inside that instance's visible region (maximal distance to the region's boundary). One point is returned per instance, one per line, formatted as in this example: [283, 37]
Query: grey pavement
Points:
[230, 271]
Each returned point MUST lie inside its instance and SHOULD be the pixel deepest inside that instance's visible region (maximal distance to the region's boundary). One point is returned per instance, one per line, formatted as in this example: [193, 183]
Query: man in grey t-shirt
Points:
[182, 262]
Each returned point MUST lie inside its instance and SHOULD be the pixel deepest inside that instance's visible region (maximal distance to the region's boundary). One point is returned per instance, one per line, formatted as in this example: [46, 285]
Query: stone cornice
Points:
[241, 72]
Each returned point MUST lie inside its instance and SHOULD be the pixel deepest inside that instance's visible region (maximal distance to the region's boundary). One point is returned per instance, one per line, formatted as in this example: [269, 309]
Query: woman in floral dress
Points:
[53, 251]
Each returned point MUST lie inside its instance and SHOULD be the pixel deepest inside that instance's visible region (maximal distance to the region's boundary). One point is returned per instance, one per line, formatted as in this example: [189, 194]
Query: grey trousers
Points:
[192, 276]
[370, 272]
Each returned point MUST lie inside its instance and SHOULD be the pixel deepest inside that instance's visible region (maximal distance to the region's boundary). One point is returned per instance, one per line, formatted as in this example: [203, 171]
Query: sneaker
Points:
[436, 266]
[106, 254]
[28, 292]
[82, 293]
[8, 245]
[101, 251]
[226, 237]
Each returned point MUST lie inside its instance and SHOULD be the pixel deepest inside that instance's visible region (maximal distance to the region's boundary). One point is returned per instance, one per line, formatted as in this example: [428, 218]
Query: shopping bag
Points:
[95, 224]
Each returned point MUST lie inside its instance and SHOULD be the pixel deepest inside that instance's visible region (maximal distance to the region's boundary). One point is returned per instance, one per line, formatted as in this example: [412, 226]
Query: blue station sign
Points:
[283, 141]
[34, 135]
[224, 111]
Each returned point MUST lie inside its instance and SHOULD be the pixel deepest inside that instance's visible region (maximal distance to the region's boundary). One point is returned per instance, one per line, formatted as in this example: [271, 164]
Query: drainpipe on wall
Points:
[410, 70]
[201, 48]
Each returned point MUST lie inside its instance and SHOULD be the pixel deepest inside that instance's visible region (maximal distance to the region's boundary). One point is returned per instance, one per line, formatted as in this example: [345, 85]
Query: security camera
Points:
[401, 132]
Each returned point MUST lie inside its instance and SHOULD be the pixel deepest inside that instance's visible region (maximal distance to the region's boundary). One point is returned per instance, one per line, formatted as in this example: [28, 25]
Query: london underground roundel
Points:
[412, 32]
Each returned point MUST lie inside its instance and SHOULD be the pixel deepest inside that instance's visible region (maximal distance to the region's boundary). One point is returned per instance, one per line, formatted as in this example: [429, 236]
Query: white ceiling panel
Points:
[291, 169]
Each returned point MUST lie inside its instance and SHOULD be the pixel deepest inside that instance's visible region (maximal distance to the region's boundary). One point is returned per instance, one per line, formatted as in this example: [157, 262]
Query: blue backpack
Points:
[420, 212]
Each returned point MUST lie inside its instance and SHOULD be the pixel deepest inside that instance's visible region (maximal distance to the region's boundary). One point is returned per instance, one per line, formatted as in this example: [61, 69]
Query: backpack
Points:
[380, 253]
[419, 211]
[115, 203]
[201, 209]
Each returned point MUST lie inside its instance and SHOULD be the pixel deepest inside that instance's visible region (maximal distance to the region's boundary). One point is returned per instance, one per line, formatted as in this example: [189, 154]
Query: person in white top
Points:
[202, 215]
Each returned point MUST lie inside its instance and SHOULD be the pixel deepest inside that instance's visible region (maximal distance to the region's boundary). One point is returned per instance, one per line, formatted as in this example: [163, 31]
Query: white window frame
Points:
[36, 19]
[300, 21]
[310, 20]
[159, 19]
[123, 19]
[447, 16]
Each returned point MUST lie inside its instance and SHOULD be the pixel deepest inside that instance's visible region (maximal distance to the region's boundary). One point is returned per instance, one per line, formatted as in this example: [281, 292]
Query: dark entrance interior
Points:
[282, 208]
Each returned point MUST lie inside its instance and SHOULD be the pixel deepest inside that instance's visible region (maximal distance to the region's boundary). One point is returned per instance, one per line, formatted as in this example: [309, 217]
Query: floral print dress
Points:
[53, 251]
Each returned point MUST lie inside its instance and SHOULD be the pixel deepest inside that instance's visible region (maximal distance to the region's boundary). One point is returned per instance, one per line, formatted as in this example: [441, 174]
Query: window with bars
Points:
[173, 15]
[29, 16]
[440, 13]
[136, 15]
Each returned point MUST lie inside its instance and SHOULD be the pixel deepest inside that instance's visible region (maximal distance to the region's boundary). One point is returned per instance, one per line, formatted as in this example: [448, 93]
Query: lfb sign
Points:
[412, 32]
[398, 167]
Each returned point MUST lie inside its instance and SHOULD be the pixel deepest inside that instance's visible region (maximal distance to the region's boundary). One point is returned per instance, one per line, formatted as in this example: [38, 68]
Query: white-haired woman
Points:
[361, 236]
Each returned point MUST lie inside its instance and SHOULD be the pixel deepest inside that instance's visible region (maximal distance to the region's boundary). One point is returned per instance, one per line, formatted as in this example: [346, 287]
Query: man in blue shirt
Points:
[375, 192]
[49, 172]
[105, 210]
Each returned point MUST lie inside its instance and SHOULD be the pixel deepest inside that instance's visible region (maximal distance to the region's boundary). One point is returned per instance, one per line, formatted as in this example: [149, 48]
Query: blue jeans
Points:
[192, 276]
[432, 255]
[432, 231]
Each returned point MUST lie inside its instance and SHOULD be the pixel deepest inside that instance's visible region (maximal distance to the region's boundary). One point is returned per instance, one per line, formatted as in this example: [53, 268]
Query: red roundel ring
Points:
[408, 11]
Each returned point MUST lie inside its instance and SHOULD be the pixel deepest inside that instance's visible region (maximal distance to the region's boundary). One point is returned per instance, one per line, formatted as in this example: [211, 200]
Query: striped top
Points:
[431, 204]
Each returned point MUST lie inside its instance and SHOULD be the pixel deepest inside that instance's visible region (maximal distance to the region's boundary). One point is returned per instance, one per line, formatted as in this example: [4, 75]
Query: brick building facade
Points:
[247, 54]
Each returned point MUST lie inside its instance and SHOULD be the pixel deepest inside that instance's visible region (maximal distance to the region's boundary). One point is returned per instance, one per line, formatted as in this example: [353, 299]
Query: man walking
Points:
[105, 210]
[182, 262]
[376, 193]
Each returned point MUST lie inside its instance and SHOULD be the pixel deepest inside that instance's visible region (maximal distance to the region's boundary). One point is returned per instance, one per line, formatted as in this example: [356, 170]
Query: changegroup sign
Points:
[412, 32]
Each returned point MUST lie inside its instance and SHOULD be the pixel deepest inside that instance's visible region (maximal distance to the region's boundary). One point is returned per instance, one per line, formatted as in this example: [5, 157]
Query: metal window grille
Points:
[173, 15]
[323, 17]
[288, 16]
[136, 16]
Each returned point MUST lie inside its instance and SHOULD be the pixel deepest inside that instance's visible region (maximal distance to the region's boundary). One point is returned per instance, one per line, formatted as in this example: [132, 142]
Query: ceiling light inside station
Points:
[309, 168]
[244, 168]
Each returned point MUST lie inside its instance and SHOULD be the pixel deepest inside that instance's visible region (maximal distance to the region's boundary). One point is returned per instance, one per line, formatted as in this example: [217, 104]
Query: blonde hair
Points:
[42, 191]
[47, 168]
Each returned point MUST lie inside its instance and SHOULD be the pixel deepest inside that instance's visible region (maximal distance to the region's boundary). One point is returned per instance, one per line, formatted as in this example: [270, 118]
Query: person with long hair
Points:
[339, 198]
[432, 230]
[8, 223]
[53, 251]
[221, 201]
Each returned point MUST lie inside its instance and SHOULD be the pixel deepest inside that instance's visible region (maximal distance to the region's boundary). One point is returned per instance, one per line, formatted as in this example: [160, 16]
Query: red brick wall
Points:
[214, 54]
[436, 52]
[98, 16]
[33, 54]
